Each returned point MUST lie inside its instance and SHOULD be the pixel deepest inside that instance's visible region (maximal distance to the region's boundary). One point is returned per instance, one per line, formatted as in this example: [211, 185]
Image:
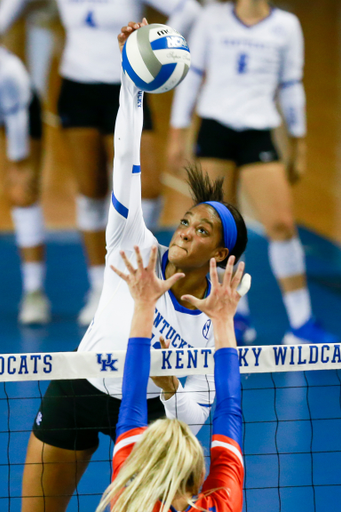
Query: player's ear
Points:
[220, 254]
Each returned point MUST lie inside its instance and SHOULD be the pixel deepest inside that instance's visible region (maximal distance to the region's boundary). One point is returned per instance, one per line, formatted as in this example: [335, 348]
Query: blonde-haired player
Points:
[162, 467]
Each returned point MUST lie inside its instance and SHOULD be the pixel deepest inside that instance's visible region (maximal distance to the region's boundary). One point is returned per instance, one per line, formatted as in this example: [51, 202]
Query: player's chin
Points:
[177, 255]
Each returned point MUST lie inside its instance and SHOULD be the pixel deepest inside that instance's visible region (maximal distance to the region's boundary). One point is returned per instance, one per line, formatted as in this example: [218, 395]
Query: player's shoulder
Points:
[127, 438]
[286, 18]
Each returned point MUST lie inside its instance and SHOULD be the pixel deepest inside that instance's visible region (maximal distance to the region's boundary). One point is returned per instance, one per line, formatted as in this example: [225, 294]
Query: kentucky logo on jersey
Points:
[206, 329]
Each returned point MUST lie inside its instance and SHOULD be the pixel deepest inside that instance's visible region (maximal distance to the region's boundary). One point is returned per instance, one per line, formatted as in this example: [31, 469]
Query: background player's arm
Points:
[185, 95]
[15, 95]
[292, 100]
[182, 13]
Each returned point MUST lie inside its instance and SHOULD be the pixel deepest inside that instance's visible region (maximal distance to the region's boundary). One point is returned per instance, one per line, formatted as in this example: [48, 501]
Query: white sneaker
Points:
[87, 313]
[34, 308]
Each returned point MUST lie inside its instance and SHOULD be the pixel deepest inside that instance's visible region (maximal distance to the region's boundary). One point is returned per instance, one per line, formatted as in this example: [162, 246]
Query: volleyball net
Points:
[291, 401]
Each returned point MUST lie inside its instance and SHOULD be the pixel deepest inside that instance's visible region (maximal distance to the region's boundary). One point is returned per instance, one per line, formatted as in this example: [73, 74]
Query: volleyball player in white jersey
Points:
[248, 51]
[39, 16]
[20, 117]
[87, 106]
[74, 412]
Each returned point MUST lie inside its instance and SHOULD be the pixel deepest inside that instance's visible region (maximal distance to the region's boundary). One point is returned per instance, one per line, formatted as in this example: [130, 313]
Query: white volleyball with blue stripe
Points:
[156, 58]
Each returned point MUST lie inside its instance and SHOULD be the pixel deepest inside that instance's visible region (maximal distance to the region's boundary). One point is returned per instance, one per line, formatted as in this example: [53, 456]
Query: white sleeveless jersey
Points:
[91, 51]
[15, 96]
[110, 327]
[242, 68]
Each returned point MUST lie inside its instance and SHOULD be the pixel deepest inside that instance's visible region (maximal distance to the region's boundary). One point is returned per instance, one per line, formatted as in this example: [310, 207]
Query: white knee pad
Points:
[287, 258]
[28, 225]
[92, 214]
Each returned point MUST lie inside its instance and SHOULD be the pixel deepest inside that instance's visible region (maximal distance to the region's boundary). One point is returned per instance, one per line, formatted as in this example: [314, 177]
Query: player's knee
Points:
[91, 214]
[281, 228]
[23, 194]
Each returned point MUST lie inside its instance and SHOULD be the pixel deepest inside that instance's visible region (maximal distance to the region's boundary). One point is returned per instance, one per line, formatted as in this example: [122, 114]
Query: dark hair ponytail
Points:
[203, 189]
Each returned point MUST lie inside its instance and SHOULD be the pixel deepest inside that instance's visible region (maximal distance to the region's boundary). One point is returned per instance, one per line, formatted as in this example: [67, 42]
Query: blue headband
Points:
[228, 222]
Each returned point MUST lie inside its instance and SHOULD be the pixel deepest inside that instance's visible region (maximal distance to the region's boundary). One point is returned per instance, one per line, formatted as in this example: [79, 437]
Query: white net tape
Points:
[180, 362]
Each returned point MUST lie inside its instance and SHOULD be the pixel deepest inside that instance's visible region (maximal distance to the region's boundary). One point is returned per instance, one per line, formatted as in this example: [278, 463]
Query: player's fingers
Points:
[214, 273]
[192, 300]
[144, 22]
[172, 280]
[122, 275]
[127, 262]
[163, 342]
[139, 259]
[245, 285]
[152, 258]
[238, 276]
[228, 271]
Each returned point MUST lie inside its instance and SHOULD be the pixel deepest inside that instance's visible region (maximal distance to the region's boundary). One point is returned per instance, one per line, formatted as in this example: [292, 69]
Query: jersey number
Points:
[242, 63]
[89, 20]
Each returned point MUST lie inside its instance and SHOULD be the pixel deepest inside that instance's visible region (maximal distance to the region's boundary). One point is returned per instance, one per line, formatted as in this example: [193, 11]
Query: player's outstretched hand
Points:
[129, 29]
[144, 285]
[221, 304]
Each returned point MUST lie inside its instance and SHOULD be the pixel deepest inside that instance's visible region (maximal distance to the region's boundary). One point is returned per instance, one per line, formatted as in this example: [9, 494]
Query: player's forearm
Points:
[224, 335]
[227, 418]
[185, 97]
[142, 322]
[127, 143]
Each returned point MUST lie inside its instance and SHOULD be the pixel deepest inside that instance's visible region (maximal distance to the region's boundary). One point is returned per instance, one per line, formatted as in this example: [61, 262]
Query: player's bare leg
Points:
[89, 160]
[23, 188]
[51, 476]
[269, 192]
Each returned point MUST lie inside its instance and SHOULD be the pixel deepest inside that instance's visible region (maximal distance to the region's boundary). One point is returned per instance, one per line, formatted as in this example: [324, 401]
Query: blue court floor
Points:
[292, 439]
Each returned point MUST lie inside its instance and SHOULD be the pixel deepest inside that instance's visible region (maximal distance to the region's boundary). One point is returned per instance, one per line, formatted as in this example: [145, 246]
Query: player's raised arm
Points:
[226, 448]
[125, 216]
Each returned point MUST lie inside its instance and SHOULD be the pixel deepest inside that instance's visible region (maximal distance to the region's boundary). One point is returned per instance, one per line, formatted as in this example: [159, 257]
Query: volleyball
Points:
[156, 58]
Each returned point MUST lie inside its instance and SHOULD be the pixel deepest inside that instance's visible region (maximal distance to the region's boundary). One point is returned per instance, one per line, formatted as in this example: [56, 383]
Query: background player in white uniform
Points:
[67, 429]
[87, 107]
[248, 51]
[162, 467]
[20, 116]
[39, 15]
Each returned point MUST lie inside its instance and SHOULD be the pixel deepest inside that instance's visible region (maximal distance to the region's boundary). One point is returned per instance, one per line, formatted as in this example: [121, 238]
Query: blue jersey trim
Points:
[176, 305]
[119, 207]
[290, 83]
[272, 9]
[197, 71]
[204, 405]
[136, 169]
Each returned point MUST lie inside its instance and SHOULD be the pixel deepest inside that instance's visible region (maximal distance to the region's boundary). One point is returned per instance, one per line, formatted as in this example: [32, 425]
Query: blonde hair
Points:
[168, 461]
